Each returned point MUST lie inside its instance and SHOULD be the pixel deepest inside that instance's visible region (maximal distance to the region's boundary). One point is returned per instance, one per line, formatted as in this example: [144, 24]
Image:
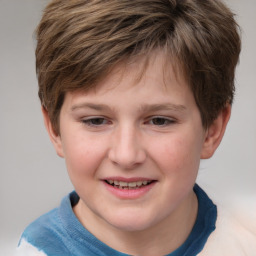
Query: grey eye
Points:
[95, 121]
[160, 121]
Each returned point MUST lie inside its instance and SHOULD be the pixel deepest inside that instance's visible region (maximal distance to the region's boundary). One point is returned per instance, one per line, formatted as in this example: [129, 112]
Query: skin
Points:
[144, 129]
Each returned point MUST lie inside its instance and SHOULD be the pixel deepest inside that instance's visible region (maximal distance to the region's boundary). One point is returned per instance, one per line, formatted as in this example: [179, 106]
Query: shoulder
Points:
[230, 238]
[27, 249]
[46, 234]
[44, 227]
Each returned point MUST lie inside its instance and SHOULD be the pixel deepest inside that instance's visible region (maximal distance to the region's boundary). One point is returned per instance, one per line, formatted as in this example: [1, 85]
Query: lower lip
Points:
[129, 193]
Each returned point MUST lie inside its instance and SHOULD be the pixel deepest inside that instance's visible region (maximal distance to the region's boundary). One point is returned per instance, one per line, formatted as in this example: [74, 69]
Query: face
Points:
[132, 146]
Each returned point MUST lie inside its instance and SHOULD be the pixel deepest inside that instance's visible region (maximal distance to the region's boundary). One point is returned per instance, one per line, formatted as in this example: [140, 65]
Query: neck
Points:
[161, 239]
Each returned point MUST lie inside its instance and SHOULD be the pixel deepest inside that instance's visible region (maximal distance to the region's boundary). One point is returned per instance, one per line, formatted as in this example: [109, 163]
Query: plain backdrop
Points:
[33, 179]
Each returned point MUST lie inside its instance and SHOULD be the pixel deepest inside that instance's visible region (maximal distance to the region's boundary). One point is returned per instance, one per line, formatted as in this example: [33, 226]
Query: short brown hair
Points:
[78, 41]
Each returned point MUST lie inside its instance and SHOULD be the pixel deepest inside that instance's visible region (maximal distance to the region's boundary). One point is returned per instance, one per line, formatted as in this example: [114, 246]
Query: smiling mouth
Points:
[129, 185]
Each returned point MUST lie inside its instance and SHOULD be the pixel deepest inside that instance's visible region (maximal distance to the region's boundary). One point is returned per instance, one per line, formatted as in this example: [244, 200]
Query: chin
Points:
[132, 222]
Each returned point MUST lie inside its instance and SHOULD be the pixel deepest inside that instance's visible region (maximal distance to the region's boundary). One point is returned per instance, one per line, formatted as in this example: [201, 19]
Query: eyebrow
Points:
[98, 107]
[144, 108]
[159, 107]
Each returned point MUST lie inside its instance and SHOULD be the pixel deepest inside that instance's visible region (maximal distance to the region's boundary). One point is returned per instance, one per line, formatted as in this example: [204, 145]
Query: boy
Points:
[134, 94]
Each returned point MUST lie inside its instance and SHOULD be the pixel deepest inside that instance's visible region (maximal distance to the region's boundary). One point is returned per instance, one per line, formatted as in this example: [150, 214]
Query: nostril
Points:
[127, 158]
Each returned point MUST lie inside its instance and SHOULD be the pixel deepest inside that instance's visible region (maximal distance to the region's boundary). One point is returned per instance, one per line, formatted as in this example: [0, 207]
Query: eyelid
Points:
[170, 120]
[161, 116]
[87, 120]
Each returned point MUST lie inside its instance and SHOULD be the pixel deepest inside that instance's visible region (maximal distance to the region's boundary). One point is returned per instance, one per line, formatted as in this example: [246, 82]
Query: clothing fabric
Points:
[59, 232]
[231, 237]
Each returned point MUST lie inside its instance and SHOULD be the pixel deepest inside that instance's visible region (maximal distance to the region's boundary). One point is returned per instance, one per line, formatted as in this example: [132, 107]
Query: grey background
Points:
[33, 179]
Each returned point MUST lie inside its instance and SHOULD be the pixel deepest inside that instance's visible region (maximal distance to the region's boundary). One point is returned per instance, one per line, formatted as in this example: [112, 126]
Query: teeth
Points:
[116, 183]
[132, 184]
[128, 185]
[139, 183]
[123, 184]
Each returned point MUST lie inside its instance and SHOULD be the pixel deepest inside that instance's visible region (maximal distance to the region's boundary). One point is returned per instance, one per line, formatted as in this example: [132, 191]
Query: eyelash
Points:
[101, 121]
[90, 121]
[166, 121]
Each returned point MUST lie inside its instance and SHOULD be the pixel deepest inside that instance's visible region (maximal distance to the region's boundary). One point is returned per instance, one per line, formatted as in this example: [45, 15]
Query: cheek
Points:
[82, 156]
[179, 156]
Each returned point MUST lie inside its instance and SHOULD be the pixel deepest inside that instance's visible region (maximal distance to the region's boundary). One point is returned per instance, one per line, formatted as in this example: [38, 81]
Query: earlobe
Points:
[54, 137]
[215, 133]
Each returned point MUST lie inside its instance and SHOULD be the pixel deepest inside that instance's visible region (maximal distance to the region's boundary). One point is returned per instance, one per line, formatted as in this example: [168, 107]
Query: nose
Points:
[127, 149]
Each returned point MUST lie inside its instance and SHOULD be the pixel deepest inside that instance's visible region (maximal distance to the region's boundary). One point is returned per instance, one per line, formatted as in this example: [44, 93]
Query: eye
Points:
[161, 121]
[95, 121]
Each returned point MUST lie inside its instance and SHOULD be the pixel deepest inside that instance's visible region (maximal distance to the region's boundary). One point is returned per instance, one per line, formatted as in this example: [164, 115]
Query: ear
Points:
[54, 137]
[215, 132]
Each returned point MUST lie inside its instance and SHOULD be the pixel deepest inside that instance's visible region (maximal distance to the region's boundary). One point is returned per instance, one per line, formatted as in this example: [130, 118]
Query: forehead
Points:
[141, 82]
[158, 66]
